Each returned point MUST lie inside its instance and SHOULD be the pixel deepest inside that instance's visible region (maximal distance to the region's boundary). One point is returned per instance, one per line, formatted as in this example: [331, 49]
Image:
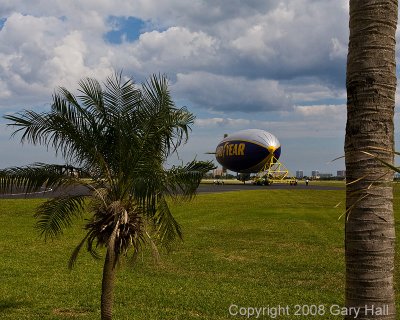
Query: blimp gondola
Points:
[252, 151]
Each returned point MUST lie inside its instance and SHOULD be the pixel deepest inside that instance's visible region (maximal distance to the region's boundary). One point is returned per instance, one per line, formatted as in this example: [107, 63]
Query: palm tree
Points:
[118, 139]
[369, 229]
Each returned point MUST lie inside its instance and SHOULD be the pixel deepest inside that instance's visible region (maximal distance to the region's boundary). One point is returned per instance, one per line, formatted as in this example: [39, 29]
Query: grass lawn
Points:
[249, 248]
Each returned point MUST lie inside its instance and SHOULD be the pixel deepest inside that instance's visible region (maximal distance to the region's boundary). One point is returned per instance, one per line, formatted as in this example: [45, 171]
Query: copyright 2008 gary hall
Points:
[305, 310]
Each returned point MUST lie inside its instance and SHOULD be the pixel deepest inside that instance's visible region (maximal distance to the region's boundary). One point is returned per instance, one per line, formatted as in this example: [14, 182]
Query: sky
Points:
[273, 65]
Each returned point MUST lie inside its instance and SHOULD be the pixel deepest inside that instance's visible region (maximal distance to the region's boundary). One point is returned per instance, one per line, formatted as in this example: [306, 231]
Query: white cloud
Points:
[257, 40]
[254, 57]
[306, 90]
[177, 48]
[71, 8]
[338, 49]
[322, 120]
[248, 41]
[231, 94]
[320, 111]
[222, 122]
[50, 54]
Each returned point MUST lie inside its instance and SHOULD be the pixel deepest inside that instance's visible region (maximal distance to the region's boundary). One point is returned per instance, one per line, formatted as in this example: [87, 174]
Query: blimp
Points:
[248, 151]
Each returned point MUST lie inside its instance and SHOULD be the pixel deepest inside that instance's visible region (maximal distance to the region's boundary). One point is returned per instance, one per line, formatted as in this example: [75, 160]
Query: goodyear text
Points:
[230, 149]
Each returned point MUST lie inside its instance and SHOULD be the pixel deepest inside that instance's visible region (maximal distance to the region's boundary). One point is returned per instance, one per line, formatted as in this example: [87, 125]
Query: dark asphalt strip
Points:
[203, 188]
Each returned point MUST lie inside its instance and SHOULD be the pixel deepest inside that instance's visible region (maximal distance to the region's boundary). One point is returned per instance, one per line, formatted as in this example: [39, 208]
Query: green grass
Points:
[249, 248]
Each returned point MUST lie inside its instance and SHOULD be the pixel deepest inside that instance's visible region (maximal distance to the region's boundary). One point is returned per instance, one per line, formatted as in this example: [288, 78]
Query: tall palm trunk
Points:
[371, 86]
[108, 282]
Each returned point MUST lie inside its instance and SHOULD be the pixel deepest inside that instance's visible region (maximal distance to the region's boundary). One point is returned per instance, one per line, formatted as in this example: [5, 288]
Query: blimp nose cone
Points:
[271, 149]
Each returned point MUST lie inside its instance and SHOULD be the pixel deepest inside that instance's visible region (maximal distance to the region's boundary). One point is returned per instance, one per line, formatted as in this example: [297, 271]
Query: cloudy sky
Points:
[267, 64]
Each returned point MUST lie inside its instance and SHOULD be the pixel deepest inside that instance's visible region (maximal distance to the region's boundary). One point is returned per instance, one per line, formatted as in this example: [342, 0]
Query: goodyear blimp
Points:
[248, 151]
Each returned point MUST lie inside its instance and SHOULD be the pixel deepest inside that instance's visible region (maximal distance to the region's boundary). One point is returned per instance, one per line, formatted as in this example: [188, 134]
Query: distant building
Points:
[325, 175]
[341, 173]
[315, 174]
[299, 174]
[219, 172]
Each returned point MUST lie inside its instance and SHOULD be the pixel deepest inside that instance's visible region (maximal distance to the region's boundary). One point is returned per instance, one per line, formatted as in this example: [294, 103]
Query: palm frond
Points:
[75, 253]
[168, 126]
[387, 164]
[34, 126]
[57, 128]
[92, 96]
[121, 97]
[56, 214]
[184, 181]
[167, 228]
[93, 243]
[35, 177]
[154, 249]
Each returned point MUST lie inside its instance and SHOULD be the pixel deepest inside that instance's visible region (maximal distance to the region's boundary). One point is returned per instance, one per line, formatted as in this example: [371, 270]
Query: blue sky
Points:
[272, 65]
[124, 29]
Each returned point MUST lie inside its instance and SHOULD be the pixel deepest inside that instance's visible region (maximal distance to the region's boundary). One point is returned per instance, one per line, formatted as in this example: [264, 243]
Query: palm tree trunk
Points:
[107, 287]
[369, 229]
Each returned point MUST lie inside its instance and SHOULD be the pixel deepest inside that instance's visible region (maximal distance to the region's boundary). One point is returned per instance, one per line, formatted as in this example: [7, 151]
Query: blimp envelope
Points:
[248, 151]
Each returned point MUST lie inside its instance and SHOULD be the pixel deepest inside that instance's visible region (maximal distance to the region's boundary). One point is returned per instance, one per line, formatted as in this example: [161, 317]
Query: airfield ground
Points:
[253, 248]
[205, 187]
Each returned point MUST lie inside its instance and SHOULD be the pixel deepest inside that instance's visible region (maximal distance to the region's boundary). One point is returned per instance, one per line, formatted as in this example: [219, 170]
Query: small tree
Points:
[118, 138]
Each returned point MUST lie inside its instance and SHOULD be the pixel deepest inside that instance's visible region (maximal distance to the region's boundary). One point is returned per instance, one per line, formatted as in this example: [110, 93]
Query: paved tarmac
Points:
[203, 188]
[46, 193]
[211, 188]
